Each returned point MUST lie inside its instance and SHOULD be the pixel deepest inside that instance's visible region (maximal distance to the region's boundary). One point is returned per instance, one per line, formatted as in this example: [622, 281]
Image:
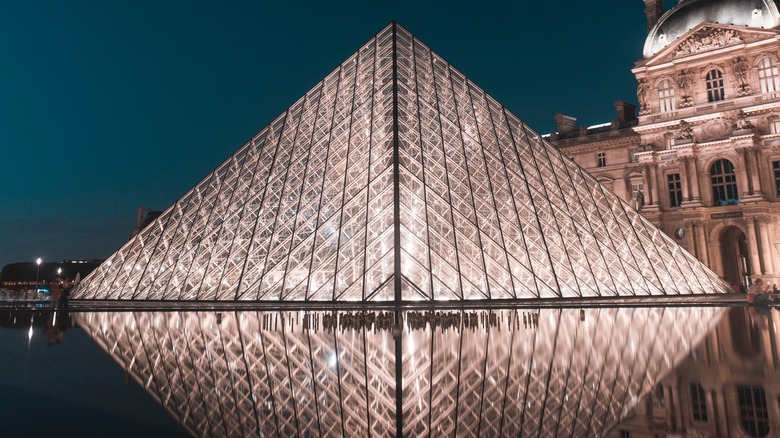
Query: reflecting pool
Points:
[602, 371]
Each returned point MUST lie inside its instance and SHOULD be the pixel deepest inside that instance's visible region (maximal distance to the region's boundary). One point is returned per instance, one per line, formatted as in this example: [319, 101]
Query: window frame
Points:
[723, 183]
[674, 189]
[666, 96]
[753, 410]
[768, 75]
[776, 175]
[715, 88]
[698, 403]
[601, 159]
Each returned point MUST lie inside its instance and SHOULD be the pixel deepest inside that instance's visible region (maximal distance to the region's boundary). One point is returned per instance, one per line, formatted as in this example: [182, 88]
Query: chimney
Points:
[626, 113]
[653, 10]
[139, 222]
[566, 124]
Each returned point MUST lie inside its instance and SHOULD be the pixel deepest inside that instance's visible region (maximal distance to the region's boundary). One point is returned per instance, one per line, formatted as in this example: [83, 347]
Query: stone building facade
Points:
[702, 159]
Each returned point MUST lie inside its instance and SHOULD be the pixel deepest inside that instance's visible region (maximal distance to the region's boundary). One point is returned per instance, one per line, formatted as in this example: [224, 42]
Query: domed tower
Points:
[702, 161]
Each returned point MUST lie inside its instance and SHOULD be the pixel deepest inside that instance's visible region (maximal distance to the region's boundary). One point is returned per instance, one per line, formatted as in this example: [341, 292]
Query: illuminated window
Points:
[768, 75]
[675, 189]
[776, 170]
[601, 159]
[715, 86]
[774, 125]
[724, 183]
[638, 195]
[698, 403]
[666, 96]
[753, 410]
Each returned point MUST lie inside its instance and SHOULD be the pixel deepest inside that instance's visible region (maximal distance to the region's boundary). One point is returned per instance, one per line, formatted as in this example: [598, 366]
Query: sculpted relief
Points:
[708, 39]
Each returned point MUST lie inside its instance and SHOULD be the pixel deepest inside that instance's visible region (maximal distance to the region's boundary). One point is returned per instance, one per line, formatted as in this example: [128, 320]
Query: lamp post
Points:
[37, 272]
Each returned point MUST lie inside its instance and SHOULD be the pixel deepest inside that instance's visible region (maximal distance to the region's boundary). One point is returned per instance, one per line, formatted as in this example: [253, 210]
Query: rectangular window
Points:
[637, 188]
[715, 90]
[776, 170]
[633, 152]
[666, 96]
[698, 403]
[601, 159]
[753, 410]
[675, 189]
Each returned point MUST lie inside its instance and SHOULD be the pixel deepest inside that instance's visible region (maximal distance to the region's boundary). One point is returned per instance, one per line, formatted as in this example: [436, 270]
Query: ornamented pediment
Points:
[706, 37]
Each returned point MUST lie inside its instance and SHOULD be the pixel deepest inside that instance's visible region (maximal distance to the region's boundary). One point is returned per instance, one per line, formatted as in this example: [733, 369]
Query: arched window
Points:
[753, 410]
[715, 86]
[768, 75]
[666, 96]
[724, 183]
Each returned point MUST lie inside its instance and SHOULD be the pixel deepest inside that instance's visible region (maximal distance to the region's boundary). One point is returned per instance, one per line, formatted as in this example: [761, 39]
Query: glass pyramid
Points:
[548, 372]
[397, 179]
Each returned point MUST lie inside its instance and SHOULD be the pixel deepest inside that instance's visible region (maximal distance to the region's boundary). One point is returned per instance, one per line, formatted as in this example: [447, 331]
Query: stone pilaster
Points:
[752, 243]
[742, 174]
[685, 180]
[701, 242]
[767, 262]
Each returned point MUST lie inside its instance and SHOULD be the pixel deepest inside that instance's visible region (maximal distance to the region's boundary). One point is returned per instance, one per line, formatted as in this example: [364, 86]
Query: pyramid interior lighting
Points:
[397, 179]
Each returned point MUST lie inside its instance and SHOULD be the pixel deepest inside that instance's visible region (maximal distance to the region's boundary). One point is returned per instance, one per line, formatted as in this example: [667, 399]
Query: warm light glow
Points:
[486, 209]
[463, 368]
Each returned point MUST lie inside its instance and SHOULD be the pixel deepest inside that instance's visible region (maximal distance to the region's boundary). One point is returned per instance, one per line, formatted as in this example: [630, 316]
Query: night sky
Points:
[108, 106]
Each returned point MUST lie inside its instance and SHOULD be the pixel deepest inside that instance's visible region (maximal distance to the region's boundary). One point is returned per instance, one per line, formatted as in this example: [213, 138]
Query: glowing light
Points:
[333, 214]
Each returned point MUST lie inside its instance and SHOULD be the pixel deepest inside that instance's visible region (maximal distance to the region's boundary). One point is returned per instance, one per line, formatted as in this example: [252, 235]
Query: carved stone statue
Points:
[741, 69]
[684, 83]
[685, 132]
[741, 121]
[642, 90]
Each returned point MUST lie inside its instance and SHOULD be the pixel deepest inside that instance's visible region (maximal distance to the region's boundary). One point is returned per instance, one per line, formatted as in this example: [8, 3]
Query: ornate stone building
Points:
[702, 160]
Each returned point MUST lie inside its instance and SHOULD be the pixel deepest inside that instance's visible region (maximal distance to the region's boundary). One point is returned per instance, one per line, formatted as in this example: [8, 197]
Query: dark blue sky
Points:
[108, 106]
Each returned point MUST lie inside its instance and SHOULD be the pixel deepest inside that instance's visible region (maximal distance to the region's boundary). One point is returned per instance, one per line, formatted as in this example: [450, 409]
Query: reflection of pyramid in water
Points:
[396, 178]
[558, 372]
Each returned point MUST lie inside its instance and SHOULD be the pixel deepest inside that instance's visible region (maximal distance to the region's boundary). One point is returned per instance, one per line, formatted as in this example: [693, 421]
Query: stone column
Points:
[741, 171]
[755, 170]
[701, 242]
[752, 243]
[689, 234]
[706, 198]
[695, 180]
[653, 170]
[766, 248]
[719, 409]
[646, 182]
[685, 179]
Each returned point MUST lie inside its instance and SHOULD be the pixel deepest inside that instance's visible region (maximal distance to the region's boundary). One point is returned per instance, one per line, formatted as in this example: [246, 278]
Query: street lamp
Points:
[37, 272]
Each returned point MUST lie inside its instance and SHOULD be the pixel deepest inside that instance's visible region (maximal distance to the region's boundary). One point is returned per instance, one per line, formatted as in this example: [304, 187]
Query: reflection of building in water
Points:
[702, 161]
[729, 386]
[564, 372]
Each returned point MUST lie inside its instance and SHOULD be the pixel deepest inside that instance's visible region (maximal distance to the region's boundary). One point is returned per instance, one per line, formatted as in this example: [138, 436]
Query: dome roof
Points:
[690, 13]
